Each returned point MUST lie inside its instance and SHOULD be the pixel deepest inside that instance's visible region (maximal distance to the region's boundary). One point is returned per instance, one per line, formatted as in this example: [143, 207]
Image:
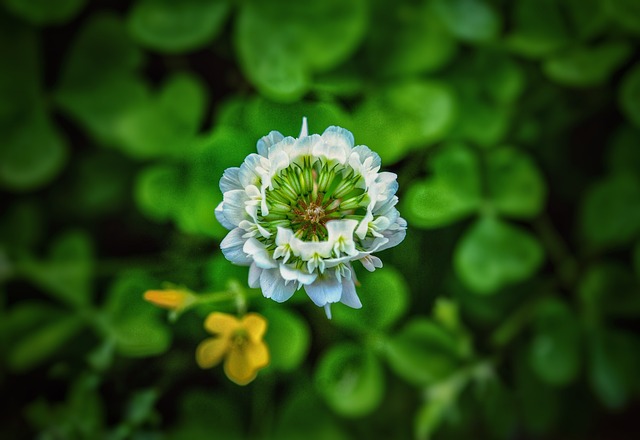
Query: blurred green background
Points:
[511, 311]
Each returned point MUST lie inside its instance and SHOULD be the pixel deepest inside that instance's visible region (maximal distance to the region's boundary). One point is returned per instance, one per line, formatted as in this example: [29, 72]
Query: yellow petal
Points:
[255, 325]
[238, 368]
[210, 351]
[221, 324]
[257, 354]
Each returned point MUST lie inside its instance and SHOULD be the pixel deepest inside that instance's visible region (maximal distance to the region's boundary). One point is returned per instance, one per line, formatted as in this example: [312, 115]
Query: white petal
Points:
[338, 136]
[395, 236]
[232, 245]
[344, 228]
[327, 310]
[219, 212]
[349, 295]
[254, 276]
[230, 180]
[265, 142]
[284, 236]
[304, 131]
[274, 286]
[309, 249]
[371, 262]
[290, 273]
[305, 146]
[324, 290]
[259, 253]
[279, 160]
[365, 152]
[363, 228]
[234, 206]
[248, 174]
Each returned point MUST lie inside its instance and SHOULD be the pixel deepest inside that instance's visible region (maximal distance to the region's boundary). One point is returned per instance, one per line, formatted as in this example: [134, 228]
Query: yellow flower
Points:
[239, 342]
[170, 299]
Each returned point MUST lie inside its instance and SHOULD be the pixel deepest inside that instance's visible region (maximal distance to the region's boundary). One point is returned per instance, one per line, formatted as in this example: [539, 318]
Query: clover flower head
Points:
[301, 210]
[239, 342]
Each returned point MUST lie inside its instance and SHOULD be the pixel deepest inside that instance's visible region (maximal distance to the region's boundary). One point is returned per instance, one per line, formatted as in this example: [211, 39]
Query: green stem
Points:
[565, 264]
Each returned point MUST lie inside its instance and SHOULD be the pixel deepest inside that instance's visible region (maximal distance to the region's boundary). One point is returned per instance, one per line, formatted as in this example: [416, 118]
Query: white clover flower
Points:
[301, 210]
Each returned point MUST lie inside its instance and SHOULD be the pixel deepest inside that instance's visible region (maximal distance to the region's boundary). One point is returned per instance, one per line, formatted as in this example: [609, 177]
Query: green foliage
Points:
[174, 28]
[510, 310]
[387, 299]
[350, 379]
[555, 349]
[288, 339]
[493, 254]
[421, 112]
[281, 44]
[423, 352]
[611, 211]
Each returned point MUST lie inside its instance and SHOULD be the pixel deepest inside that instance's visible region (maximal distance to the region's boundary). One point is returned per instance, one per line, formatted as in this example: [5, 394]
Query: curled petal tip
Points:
[304, 131]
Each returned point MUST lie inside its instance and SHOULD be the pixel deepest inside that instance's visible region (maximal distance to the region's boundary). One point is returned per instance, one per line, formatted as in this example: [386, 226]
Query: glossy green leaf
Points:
[45, 11]
[195, 215]
[470, 20]
[159, 191]
[452, 193]
[66, 273]
[219, 271]
[555, 349]
[420, 112]
[515, 185]
[171, 27]
[99, 107]
[629, 95]
[402, 33]
[614, 356]
[611, 211]
[33, 153]
[280, 44]
[166, 124]
[587, 66]
[350, 379]
[482, 122]
[423, 352]
[385, 298]
[287, 337]
[493, 254]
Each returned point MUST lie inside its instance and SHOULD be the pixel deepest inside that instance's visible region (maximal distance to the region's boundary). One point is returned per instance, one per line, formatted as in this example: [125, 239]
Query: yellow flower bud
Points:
[170, 299]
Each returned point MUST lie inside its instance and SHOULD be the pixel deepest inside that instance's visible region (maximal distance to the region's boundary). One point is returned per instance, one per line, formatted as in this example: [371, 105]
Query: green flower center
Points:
[306, 195]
